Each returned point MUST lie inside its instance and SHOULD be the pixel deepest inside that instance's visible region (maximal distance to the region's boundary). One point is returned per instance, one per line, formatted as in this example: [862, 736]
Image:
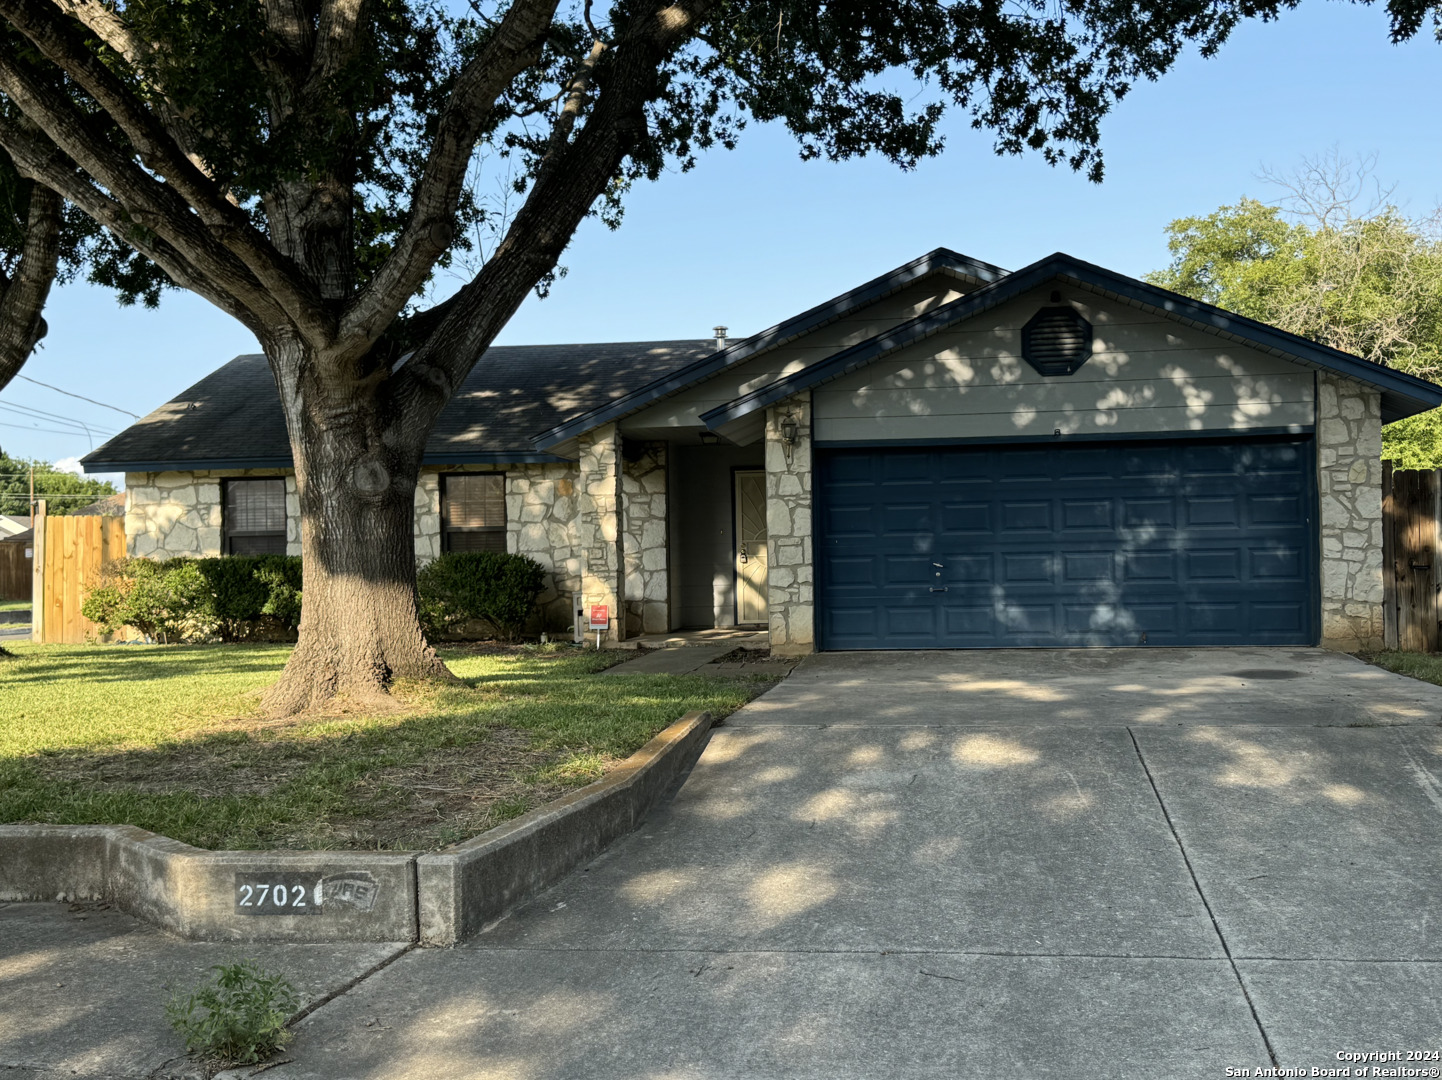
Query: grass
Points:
[1424, 666]
[171, 739]
[14, 605]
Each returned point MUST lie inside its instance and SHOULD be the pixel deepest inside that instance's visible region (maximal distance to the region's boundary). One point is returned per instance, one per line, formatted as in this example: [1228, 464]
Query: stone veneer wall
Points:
[541, 502]
[1349, 483]
[790, 577]
[178, 513]
[643, 542]
[598, 527]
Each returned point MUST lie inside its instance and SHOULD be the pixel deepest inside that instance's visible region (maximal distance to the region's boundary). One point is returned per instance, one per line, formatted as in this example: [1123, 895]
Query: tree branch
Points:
[515, 45]
[160, 154]
[558, 201]
[22, 298]
[194, 262]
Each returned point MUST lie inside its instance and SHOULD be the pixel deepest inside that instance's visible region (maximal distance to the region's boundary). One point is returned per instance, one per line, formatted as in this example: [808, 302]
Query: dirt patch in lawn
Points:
[438, 798]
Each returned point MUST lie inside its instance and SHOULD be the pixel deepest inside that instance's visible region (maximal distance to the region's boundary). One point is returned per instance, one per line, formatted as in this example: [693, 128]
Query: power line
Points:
[81, 397]
[48, 431]
[27, 411]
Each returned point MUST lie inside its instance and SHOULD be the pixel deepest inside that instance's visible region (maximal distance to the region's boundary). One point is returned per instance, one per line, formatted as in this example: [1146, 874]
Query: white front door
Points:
[751, 546]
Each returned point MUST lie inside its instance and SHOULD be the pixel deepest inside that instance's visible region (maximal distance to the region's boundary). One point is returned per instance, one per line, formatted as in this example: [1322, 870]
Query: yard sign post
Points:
[600, 621]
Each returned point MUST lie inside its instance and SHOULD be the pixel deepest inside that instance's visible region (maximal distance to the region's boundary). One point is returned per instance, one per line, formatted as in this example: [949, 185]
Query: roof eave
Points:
[748, 348]
[1403, 395]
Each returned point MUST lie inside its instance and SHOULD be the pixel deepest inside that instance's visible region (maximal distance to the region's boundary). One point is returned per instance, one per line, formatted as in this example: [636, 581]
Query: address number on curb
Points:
[278, 894]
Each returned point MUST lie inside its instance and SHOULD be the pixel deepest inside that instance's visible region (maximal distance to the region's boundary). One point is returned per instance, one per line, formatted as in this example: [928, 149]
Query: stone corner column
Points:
[599, 517]
[644, 542]
[790, 564]
[1349, 488]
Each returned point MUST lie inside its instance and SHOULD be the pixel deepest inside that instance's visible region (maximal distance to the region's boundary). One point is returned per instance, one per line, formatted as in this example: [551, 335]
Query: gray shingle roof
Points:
[232, 417]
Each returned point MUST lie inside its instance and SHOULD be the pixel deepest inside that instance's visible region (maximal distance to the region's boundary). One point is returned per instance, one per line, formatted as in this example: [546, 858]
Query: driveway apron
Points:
[1109, 863]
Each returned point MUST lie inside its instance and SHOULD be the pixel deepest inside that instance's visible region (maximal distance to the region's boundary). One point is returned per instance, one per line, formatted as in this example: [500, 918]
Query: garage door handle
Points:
[935, 589]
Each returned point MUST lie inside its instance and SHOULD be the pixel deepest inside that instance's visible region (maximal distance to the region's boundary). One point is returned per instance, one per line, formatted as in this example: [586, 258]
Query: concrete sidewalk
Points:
[988, 865]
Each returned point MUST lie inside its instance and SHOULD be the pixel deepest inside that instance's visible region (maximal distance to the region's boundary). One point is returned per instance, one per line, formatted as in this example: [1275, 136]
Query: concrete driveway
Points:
[1021, 864]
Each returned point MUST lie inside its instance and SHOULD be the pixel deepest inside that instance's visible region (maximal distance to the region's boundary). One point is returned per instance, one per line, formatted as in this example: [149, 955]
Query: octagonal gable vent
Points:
[1056, 341]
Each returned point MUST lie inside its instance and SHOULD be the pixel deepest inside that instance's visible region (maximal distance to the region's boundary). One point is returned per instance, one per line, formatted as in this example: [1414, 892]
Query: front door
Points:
[750, 545]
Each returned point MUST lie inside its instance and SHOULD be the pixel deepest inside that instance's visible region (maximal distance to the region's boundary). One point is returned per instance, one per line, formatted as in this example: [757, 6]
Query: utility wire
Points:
[26, 411]
[81, 397]
[48, 431]
[43, 412]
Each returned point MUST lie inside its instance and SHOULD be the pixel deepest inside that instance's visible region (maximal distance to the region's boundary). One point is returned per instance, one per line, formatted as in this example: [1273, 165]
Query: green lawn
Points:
[170, 739]
[1422, 666]
[14, 605]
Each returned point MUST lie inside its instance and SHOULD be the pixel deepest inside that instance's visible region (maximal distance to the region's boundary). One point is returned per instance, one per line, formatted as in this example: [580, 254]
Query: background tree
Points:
[302, 164]
[1336, 261]
[63, 492]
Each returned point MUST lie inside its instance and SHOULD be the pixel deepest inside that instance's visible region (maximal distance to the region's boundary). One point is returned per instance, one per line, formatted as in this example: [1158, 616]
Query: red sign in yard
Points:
[600, 617]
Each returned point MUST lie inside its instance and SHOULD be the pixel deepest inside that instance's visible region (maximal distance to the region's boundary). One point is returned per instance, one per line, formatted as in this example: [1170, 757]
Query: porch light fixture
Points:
[709, 438]
[789, 428]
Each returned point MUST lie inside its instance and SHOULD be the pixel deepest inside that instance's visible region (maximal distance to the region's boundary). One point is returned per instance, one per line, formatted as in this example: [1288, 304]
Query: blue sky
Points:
[754, 235]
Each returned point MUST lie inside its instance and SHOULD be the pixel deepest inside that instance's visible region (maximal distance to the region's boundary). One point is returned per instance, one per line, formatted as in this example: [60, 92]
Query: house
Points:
[13, 525]
[110, 506]
[947, 456]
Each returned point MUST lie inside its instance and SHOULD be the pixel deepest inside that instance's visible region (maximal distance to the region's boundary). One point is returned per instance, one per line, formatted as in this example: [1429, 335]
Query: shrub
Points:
[238, 1017]
[233, 598]
[494, 587]
[250, 594]
[165, 600]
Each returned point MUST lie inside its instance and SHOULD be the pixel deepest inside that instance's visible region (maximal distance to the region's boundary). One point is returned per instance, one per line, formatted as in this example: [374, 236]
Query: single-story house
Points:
[947, 456]
[13, 525]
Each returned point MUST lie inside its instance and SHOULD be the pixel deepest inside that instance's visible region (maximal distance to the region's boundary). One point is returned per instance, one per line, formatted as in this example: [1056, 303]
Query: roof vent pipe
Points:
[720, 332]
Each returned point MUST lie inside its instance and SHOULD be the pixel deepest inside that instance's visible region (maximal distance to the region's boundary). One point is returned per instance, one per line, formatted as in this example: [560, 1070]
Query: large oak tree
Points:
[303, 165]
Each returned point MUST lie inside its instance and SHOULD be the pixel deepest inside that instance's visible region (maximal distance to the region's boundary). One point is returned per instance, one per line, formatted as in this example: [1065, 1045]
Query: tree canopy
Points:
[64, 492]
[1363, 279]
[307, 165]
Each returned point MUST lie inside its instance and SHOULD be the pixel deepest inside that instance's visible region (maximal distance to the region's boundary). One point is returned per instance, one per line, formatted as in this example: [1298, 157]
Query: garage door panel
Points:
[1086, 514]
[1149, 513]
[1278, 563]
[1217, 511]
[1088, 566]
[851, 521]
[1165, 543]
[1025, 516]
[966, 518]
[1149, 566]
[1274, 509]
[1214, 565]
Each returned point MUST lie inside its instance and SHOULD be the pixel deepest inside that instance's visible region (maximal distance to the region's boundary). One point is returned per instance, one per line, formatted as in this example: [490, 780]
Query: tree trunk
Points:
[356, 480]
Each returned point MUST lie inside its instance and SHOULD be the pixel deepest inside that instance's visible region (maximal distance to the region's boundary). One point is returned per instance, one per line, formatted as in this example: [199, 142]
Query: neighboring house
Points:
[14, 524]
[948, 456]
[110, 506]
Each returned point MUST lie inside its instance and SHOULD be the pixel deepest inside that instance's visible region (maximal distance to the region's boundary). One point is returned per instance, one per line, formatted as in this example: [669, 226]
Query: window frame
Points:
[443, 517]
[227, 533]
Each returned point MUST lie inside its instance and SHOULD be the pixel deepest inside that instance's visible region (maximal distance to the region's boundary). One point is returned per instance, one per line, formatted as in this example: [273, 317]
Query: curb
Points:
[328, 896]
[464, 887]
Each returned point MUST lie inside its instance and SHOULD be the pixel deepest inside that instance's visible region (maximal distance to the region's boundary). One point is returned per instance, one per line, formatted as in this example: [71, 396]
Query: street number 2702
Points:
[279, 895]
[278, 892]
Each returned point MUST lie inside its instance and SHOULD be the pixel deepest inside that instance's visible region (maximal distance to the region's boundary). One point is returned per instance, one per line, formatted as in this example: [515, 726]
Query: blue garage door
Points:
[1138, 543]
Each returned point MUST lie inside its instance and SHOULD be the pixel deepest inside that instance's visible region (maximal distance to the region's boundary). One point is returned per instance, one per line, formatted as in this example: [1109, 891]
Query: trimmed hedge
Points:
[258, 597]
[235, 598]
[490, 586]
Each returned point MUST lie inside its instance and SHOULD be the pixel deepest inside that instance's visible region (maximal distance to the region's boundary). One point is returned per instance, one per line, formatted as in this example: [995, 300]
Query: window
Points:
[473, 512]
[254, 517]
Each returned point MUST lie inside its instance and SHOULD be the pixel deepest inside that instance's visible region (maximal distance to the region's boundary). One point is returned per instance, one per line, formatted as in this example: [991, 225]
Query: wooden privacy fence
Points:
[16, 569]
[68, 553]
[1409, 558]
